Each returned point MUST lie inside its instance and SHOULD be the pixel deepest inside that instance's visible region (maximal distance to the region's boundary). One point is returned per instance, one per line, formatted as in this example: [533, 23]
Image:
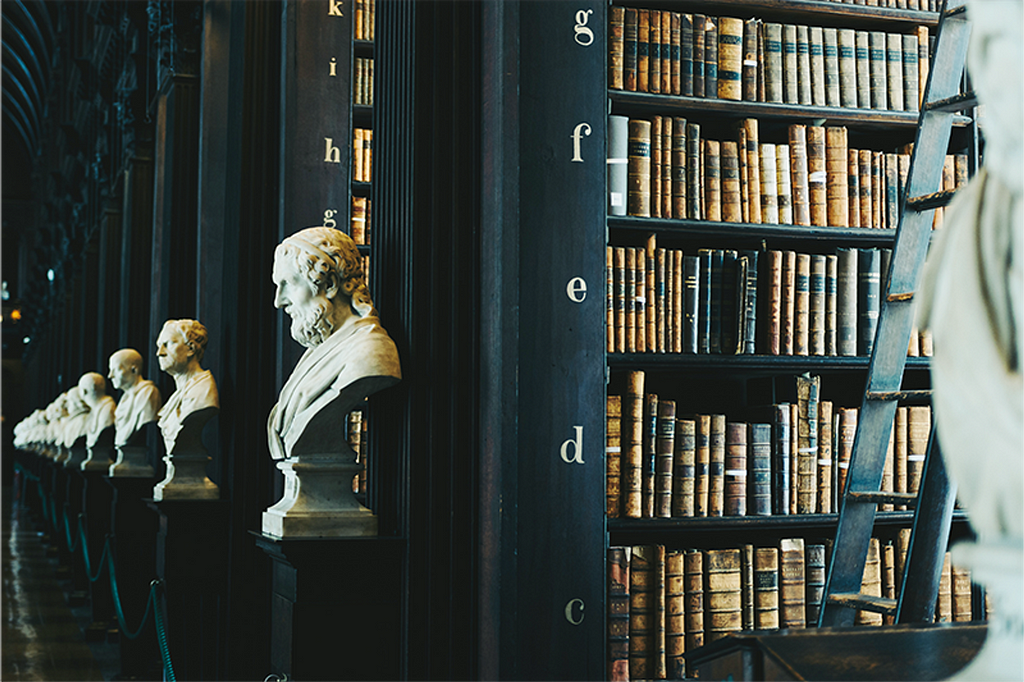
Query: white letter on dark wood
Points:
[584, 36]
[332, 154]
[577, 444]
[580, 131]
[576, 289]
[568, 611]
[334, 8]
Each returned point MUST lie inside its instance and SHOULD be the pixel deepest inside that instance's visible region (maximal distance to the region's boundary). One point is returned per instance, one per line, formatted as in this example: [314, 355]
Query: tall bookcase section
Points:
[562, 362]
[719, 111]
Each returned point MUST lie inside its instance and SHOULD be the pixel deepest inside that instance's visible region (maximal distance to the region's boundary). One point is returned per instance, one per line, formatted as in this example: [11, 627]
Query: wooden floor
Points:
[42, 637]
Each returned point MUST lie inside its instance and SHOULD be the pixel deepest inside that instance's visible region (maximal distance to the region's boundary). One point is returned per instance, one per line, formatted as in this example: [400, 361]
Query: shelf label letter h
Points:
[331, 154]
[577, 444]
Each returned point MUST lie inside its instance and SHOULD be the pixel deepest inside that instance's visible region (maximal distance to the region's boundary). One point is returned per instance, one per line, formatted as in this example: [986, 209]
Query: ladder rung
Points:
[921, 394]
[953, 11]
[882, 497]
[896, 298]
[930, 201]
[959, 102]
[864, 602]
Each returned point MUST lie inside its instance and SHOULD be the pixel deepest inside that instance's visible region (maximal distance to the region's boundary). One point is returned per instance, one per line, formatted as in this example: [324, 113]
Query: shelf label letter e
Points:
[580, 131]
[577, 445]
[569, 616]
[584, 36]
[576, 289]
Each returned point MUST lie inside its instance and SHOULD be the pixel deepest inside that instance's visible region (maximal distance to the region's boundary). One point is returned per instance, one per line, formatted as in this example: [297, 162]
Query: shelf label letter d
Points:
[577, 445]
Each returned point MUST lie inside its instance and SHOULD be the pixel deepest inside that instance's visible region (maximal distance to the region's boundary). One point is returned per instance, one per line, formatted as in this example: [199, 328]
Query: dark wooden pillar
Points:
[137, 253]
[108, 294]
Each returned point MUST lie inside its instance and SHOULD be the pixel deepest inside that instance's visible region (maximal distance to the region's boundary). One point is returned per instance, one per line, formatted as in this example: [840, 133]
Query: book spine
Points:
[774, 285]
[711, 57]
[814, 589]
[650, 437]
[824, 501]
[675, 616]
[830, 44]
[678, 174]
[749, 73]
[730, 58]
[911, 95]
[769, 185]
[863, 70]
[654, 52]
[817, 50]
[616, 48]
[643, 63]
[735, 469]
[641, 612]
[732, 209]
[747, 586]
[794, 450]
[658, 664]
[831, 264]
[792, 597]
[798, 172]
[632, 433]
[802, 307]
[610, 299]
[670, 300]
[699, 35]
[664, 453]
[877, 61]
[693, 171]
[639, 168]
[871, 584]
[716, 466]
[919, 427]
[868, 284]
[675, 52]
[887, 467]
[712, 181]
[837, 185]
[888, 577]
[790, 67]
[866, 190]
[961, 594]
[788, 325]
[693, 577]
[803, 62]
[702, 465]
[667, 159]
[759, 452]
[630, 300]
[847, 433]
[717, 273]
[677, 304]
[618, 164]
[853, 186]
[613, 455]
[816, 296]
[847, 40]
[923, 62]
[894, 70]
[846, 301]
[773, 69]
[817, 175]
[944, 600]
[683, 470]
[753, 155]
[662, 292]
[741, 149]
[656, 165]
[618, 614]
[781, 438]
[686, 54]
[784, 185]
[704, 302]
[691, 296]
[620, 298]
[357, 224]
[807, 443]
[731, 280]
[640, 298]
[723, 611]
[749, 302]
[766, 588]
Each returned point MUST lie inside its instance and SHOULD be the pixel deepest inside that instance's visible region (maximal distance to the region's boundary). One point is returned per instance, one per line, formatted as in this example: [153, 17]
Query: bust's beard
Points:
[313, 328]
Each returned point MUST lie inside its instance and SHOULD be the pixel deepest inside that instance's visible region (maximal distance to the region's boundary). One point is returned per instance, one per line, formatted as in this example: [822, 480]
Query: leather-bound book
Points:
[730, 58]
[747, 585]
[693, 577]
[814, 588]
[633, 444]
[853, 186]
[746, 334]
[741, 149]
[732, 209]
[711, 57]
[847, 432]
[735, 469]
[847, 40]
[961, 594]
[831, 265]
[817, 49]
[630, 299]
[790, 67]
[723, 612]
[773, 70]
[923, 61]
[817, 175]
[642, 603]
[894, 70]
[613, 455]
[609, 268]
[753, 156]
[766, 588]
[643, 64]
[683, 469]
[877, 63]
[730, 307]
[357, 224]
[802, 307]
[675, 616]
[686, 54]
[664, 454]
[900, 451]
[816, 301]
[677, 301]
[803, 62]
[659, 663]
[712, 181]
[773, 285]
[769, 185]
[650, 438]
[944, 601]
[960, 170]
[678, 175]
[654, 52]
[618, 160]
[863, 70]
[656, 165]
[675, 50]
[798, 173]
[794, 453]
[902, 546]
[699, 36]
[640, 299]
[693, 172]
[866, 195]
[667, 161]
[784, 184]
[888, 577]
[887, 468]
[919, 427]
[749, 72]
[702, 464]
[792, 597]
[651, 292]
[807, 390]
[704, 301]
[830, 43]
[616, 48]
[871, 583]
[716, 466]
[717, 274]
[661, 268]
[691, 298]
[911, 96]
[759, 455]
[837, 187]
[639, 168]
[878, 188]
[846, 301]
[868, 286]
[620, 298]
[618, 614]
[824, 501]
[788, 324]
[781, 437]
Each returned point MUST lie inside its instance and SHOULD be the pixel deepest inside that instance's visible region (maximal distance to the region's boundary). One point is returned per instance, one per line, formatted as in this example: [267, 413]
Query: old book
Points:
[887, 467]
[656, 165]
[853, 186]
[863, 70]
[639, 168]
[618, 161]
[747, 586]
[871, 583]
[732, 209]
[357, 223]
[730, 58]
[747, 333]
[683, 468]
[792, 590]
[618, 614]
[358, 143]
[702, 465]
[814, 559]
[900, 452]
[803, 62]
[675, 616]
[610, 299]
[712, 181]
[888, 577]
[894, 70]
[723, 611]
[675, 49]
[630, 299]
[794, 451]
[944, 601]
[616, 48]
[902, 546]
[619, 259]
[667, 159]
[846, 301]
[919, 426]
[753, 156]
[868, 285]
[866, 211]
[717, 289]
[613, 455]
[769, 185]
[664, 453]
[640, 299]
[766, 588]
[817, 175]
[741, 146]
[704, 301]
[816, 304]
[730, 306]
[643, 35]
[716, 466]
[691, 296]
[774, 287]
[773, 68]
[807, 390]
[788, 320]
[699, 36]
[847, 432]
[735, 469]
[824, 501]
[633, 443]
[677, 303]
[678, 174]
[847, 45]
[923, 62]
[802, 307]
[837, 186]
[693, 172]
[877, 64]
[642, 604]
[783, 184]
[650, 438]
[662, 304]
[711, 57]
[658, 666]
[686, 54]
[790, 68]
[911, 95]
[878, 188]
[798, 172]
[817, 50]
[961, 594]
[961, 170]
[781, 437]
[830, 43]
[693, 578]
[759, 456]
[654, 52]
[831, 318]
[749, 73]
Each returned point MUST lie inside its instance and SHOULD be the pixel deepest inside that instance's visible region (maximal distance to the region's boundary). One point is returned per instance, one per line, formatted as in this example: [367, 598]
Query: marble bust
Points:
[320, 284]
[140, 401]
[92, 387]
[74, 427]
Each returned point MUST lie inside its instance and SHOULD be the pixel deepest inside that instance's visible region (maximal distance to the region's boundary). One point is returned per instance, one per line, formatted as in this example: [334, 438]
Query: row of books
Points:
[697, 55]
[663, 465]
[364, 19]
[663, 603]
[359, 225]
[746, 302]
[362, 93]
[664, 167]
[919, 5]
[362, 154]
[356, 439]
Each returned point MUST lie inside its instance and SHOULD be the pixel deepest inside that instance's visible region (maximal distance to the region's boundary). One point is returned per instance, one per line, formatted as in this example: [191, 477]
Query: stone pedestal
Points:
[336, 607]
[186, 477]
[99, 454]
[77, 454]
[131, 462]
[318, 500]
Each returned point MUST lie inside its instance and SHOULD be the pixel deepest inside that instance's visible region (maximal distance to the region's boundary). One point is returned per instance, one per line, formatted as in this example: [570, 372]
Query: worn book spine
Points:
[871, 583]
[677, 303]
[759, 455]
[792, 581]
[780, 458]
[807, 388]
[620, 298]
[774, 318]
[741, 150]
[877, 62]
[923, 62]
[800, 187]
[790, 67]
[773, 69]
[723, 611]
[670, 300]
[686, 54]
[814, 576]
[632, 434]
[711, 57]
[654, 52]
[630, 299]
[894, 70]
[656, 165]
[830, 44]
[837, 185]
[675, 50]
[640, 298]
[639, 168]
[919, 426]
[846, 301]
[847, 432]
[802, 307]
[888, 577]
[357, 225]
[732, 209]
[650, 437]
[766, 588]
[868, 285]
[618, 614]
[831, 262]
[961, 594]
[735, 469]
[747, 299]
[731, 280]
[704, 301]
[664, 454]
[643, 35]
[675, 616]
[730, 58]
[911, 96]
[817, 175]
[661, 307]
[902, 546]
[678, 174]
[824, 501]
[853, 186]
[667, 159]
[699, 36]
[693, 577]
[788, 325]
[900, 452]
[712, 180]
[847, 40]
[747, 586]
[613, 455]
[658, 667]
[610, 299]
[794, 450]
[863, 70]
[783, 184]
[887, 467]
[616, 48]
[683, 468]
[878, 189]
[749, 73]
[693, 172]
[944, 600]
[691, 297]
[866, 191]
[642, 602]
[717, 288]
[817, 49]
[803, 62]
[358, 142]
[618, 162]
[816, 301]
[753, 155]
[716, 466]
[702, 465]
[769, 185]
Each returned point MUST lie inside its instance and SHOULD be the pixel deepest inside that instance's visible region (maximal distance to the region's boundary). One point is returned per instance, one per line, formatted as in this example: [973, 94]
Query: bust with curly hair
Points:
[179, 350]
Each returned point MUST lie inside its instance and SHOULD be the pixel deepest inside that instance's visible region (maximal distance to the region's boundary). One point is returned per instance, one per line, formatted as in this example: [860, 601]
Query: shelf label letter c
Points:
[580, 131]
[577, 444]
[569, 611]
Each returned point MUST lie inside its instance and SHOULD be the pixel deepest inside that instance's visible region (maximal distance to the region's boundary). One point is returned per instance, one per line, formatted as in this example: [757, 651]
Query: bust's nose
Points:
[280, 300]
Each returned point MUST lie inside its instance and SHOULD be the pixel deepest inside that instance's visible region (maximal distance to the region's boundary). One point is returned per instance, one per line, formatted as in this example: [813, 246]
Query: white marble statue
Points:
[180, 349]
[140, 402]
[74, 428]
[320, 284]
[56, 413]
[99, 428]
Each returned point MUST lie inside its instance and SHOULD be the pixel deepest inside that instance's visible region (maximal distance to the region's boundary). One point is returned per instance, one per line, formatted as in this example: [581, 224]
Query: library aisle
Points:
[42, 639]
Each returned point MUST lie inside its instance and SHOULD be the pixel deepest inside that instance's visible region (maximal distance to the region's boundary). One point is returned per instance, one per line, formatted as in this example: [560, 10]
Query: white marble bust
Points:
[93, 389]
[140, 401]
[77, 419]
[320, 284]
[179, 350]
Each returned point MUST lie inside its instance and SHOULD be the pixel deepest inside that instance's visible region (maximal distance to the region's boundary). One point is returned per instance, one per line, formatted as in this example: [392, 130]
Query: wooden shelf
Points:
[755, 231]
[362, 48]
[746, 363]
[818, 12]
